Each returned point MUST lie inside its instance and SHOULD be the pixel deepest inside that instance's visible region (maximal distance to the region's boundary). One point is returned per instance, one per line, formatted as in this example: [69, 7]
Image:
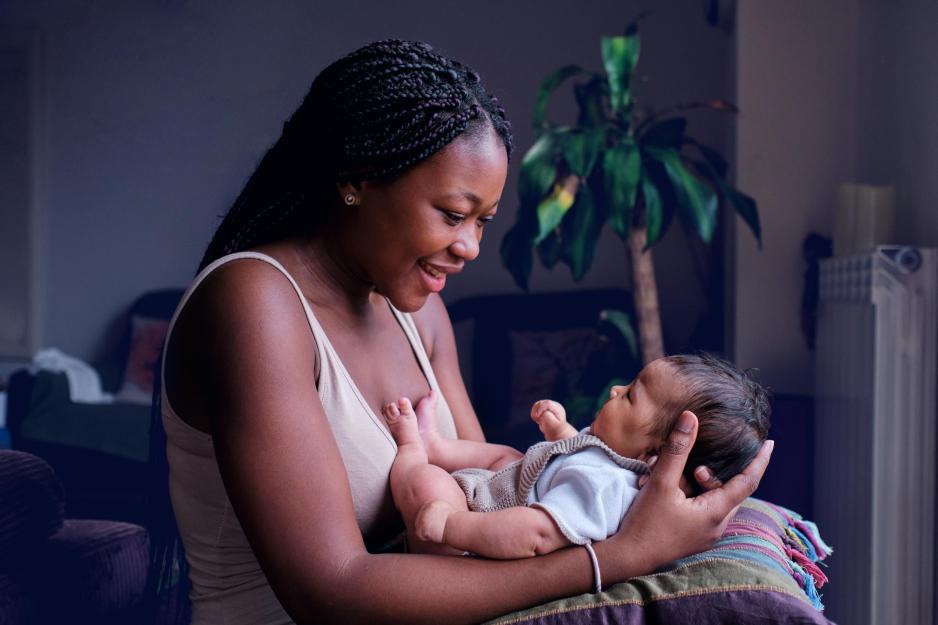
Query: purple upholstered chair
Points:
[58, 570]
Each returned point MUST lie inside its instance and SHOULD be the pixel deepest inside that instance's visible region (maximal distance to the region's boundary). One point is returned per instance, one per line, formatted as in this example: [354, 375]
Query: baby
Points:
[575, 487]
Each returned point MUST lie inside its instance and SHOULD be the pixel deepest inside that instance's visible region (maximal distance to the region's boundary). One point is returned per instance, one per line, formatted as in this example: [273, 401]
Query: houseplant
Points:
[619, 166]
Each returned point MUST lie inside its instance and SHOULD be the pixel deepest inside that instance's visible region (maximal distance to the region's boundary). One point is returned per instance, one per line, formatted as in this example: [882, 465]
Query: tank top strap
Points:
[413, 336]
[318, 333]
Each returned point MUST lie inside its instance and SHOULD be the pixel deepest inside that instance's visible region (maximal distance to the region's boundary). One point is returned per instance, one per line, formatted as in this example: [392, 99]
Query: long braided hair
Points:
[371, 115]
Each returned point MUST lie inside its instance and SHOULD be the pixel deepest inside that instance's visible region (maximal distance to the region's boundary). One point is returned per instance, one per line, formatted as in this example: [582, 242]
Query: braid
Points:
[371, 115]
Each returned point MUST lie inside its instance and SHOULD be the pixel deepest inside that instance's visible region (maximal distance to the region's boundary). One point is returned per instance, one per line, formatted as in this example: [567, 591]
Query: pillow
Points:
[763, 570]
[146, 341]
[542, 361]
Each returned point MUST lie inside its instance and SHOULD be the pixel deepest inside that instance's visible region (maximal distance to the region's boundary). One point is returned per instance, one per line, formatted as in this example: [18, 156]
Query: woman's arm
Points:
[286, 481]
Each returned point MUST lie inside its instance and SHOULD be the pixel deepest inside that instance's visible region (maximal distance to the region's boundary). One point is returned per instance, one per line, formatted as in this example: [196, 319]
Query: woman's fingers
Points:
[672, 457]
[735, 491]
[650, 461]
[706, 478]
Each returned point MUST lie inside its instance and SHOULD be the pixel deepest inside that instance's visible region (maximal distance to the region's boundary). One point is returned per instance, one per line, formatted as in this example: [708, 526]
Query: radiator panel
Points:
[877, 338]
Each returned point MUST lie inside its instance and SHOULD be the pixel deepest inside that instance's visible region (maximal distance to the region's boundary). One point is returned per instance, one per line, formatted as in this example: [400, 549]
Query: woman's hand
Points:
[704, 476]
[664, 524]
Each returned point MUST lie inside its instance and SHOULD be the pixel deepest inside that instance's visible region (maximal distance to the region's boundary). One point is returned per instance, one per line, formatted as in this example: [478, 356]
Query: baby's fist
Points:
[550, 417]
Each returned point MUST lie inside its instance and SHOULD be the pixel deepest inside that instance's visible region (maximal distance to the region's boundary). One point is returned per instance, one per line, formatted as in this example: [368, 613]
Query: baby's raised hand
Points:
[551, 418]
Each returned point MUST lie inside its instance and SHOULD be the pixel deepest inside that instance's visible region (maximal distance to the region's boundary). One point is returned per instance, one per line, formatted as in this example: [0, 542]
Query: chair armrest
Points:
[33, 503]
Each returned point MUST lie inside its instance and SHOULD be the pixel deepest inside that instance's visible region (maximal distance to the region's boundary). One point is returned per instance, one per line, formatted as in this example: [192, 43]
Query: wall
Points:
[797, 85]
[159, 110]
[898, 116]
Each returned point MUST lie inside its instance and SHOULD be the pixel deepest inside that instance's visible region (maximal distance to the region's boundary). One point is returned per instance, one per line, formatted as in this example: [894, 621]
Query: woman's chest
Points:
[379, 359]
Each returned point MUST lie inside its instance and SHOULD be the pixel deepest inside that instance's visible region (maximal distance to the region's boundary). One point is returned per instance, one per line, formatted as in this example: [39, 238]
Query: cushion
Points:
[17, 602]
[763, 570]
[147, 335]
[95, 568]
[32, 504]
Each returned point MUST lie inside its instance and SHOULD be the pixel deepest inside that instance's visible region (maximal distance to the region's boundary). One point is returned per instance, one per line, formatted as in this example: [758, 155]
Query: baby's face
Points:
[628, 416]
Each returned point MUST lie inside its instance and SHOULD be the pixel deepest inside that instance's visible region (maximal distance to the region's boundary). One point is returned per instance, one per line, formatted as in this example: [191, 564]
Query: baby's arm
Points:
[508, 534]
[551, 418]
[451, 454]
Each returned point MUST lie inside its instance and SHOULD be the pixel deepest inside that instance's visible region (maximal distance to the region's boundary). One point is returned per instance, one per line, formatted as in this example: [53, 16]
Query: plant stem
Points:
[645, 296]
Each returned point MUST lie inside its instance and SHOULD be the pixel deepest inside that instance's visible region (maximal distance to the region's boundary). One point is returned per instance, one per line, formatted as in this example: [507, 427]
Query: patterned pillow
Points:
[146, 340]
[764, 570]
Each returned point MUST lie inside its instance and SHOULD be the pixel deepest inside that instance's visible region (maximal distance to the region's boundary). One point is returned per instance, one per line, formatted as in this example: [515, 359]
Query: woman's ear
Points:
[346, 188]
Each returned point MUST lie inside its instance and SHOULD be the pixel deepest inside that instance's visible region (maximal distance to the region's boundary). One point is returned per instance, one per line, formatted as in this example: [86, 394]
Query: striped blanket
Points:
[765, 569]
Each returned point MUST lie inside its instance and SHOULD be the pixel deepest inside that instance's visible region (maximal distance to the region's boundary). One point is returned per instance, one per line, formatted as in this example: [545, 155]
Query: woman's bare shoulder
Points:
[243, 315]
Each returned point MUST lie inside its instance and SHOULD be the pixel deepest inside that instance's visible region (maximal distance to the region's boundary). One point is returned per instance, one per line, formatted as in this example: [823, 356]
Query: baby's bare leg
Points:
[453, 454]
[505, 534]
[415, 482]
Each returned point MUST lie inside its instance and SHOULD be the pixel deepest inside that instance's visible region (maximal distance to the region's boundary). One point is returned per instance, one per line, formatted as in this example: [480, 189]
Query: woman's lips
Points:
[433, 278]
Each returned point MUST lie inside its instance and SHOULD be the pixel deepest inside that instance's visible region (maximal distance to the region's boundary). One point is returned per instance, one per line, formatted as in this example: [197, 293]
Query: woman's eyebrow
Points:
[464, 194]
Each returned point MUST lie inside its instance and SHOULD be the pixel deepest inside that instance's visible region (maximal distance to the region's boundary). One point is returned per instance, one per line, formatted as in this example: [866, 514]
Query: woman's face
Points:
[412, 233]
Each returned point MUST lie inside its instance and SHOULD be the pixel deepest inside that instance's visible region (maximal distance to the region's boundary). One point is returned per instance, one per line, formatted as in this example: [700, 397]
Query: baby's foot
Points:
[427, 422]
[401, 421]
[431, 521]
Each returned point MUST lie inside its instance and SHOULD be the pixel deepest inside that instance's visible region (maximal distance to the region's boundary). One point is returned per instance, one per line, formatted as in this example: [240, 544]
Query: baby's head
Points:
[732, 411]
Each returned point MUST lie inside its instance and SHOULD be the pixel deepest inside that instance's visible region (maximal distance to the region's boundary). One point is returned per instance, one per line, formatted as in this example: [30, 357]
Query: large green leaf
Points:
[713, 158]
[580, 233]
[621, 171]
[620, 55]
[744, 205]
[590, 98]
[657, 213]
[747, 209]
[668, 133]
[549, 249]
[580, 149]
[548, 85]
[551, 210]
[517, 254]
[697, 201]
[538, 169]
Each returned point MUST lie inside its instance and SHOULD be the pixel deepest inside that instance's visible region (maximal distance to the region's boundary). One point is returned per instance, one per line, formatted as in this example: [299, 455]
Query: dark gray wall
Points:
[158, 110]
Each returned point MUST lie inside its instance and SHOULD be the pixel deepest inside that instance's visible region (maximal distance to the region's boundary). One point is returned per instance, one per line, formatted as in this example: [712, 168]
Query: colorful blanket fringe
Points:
[794, 545]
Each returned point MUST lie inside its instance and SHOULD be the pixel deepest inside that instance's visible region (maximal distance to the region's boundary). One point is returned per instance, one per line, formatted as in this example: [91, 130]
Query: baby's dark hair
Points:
[370, 115]
[732, 411]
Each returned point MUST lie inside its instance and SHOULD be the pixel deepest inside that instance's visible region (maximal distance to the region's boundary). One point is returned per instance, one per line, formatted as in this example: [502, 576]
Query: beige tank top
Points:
[228, 585]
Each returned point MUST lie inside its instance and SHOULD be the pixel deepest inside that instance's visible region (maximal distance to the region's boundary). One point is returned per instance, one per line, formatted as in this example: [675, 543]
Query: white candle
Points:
[866, 217]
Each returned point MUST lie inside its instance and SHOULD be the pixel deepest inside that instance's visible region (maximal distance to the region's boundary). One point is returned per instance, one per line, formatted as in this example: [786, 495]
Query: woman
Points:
[318, 303]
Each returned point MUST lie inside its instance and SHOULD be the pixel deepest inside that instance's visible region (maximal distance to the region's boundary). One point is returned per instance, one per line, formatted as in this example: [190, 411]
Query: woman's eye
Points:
[454, 218]
[485, 220]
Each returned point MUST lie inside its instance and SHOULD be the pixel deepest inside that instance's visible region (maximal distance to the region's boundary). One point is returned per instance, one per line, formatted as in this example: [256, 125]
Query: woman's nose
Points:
[466, 246]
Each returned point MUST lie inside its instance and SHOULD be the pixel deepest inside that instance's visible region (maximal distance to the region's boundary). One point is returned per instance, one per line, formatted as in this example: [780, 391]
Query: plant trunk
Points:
[645, 296]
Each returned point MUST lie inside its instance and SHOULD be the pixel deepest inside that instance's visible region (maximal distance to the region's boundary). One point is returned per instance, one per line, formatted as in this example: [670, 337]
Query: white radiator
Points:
[875, 438]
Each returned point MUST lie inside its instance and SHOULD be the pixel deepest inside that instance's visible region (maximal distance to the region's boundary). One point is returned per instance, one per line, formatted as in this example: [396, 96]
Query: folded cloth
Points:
[84, 384]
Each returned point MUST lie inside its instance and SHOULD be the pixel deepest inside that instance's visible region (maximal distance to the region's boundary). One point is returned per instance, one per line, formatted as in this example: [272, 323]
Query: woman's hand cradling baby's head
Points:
[664, 524]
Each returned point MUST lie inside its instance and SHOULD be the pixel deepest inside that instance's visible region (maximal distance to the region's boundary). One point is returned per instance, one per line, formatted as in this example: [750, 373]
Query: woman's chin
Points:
[408, 303]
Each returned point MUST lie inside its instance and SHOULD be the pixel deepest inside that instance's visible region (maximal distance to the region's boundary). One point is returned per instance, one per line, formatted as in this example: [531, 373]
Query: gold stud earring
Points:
[350, 199]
